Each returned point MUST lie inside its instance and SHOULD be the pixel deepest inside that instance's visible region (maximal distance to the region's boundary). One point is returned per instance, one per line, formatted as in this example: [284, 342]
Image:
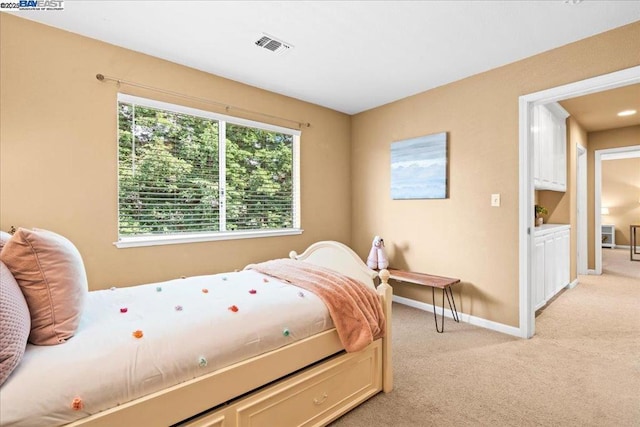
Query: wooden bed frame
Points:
[310, 382]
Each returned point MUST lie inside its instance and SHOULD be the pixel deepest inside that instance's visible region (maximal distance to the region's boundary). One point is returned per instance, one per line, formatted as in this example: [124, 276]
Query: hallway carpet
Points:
[582, 368]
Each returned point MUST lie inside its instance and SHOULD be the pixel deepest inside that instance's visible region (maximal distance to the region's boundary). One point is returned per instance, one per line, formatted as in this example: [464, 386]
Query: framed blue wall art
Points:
[419, 167]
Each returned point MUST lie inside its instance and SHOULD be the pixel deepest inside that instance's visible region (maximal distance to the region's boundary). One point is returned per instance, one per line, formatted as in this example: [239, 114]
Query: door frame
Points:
[525, 185]
[582, 250]
[628, 152]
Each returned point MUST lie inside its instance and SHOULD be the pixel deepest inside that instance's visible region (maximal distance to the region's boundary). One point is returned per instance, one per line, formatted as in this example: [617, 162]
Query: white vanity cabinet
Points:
[551, 260]
[550, 147]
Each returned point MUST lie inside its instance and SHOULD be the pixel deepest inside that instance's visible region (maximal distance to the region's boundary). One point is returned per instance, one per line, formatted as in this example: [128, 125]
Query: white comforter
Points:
[189, 328]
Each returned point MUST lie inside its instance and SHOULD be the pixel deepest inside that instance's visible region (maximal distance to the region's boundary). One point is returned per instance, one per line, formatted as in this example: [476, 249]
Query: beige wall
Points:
[58, 148]
[58, 162]
[576, 136]
[621, 194]
[621, 137]
[463, 236]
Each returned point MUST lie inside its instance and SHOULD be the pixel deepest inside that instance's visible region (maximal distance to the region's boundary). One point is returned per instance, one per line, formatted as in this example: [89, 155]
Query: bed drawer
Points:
[318, 397]
[224, 417]
[313, 397]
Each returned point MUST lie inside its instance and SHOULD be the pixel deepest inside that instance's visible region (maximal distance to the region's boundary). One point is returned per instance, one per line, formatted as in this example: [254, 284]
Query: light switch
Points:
[495, 199]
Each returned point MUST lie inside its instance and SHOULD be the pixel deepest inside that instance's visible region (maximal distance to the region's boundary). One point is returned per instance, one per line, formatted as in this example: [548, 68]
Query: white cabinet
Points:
[563, 258]
[550, 147]
[538, 274]
[550, 268]
[551, 260]
[608, 236]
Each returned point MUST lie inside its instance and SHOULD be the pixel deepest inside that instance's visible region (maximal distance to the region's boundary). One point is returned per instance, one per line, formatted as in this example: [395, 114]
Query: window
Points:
[192, 175]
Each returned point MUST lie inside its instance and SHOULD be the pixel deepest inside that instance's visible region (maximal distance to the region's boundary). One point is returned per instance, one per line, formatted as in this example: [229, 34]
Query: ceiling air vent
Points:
[271, 43]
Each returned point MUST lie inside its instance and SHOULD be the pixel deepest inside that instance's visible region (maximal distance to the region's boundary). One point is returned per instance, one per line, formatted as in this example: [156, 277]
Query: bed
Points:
[298, 375]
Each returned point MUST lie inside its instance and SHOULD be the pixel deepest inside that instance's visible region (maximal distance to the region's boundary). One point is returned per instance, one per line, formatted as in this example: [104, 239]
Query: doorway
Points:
[526, 188]
[628, 152]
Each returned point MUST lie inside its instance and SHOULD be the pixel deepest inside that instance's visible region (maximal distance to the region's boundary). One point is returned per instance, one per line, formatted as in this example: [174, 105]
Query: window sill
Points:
[134, 242]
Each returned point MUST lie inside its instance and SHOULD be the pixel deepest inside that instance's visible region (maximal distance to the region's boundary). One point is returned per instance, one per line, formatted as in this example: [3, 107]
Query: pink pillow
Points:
[14, 323]
[53, 280]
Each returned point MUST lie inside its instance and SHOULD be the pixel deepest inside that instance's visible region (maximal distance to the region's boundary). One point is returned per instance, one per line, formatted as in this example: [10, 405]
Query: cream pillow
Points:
[14, 323]
[51, 275]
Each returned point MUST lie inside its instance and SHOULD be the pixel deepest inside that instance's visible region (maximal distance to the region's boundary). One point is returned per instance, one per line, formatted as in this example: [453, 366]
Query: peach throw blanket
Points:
[354, 307]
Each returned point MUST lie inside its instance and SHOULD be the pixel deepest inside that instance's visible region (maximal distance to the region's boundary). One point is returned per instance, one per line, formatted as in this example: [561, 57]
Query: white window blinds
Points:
[184, 171]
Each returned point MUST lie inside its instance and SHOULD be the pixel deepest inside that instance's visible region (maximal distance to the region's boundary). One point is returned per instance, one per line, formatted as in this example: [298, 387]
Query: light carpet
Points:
[582, 368]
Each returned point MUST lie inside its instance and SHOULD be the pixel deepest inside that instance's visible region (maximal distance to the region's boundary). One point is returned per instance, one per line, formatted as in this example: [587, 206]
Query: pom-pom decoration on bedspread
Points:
[134, 341]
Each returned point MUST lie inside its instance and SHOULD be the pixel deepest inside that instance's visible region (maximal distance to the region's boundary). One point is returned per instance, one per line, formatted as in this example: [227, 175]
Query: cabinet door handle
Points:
[320, 401]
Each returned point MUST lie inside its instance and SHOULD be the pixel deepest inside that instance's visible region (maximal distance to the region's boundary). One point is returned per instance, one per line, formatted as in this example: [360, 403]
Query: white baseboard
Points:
[627, 247]
[467, 318]
[592, 272]
[572, 284]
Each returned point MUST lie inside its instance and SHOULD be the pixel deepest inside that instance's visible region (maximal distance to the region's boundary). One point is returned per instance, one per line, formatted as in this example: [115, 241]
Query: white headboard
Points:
[338, 257]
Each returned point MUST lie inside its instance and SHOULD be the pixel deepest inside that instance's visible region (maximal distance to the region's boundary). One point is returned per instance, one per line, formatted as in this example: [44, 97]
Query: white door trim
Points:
[600, 155]
[582, 251]
[525, 185]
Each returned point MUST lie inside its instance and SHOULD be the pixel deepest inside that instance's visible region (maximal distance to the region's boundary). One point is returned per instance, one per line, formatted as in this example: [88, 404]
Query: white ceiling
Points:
[348, 55]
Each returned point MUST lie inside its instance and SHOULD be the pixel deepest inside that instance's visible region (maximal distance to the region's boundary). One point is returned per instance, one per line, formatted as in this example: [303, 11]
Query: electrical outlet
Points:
[495, 200]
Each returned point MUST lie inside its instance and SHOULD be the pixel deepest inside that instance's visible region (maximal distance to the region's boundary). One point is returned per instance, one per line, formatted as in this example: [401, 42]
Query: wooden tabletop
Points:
[422, 278]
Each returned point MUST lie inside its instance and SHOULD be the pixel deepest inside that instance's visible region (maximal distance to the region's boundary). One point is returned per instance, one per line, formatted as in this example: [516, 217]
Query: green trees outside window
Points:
[171, 179]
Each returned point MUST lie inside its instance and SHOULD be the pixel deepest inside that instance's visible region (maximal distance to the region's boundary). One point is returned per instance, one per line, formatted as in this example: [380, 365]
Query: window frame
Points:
[178, 238]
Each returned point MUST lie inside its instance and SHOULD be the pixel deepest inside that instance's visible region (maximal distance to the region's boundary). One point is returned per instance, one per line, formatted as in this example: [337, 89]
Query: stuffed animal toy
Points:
[377, 257]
